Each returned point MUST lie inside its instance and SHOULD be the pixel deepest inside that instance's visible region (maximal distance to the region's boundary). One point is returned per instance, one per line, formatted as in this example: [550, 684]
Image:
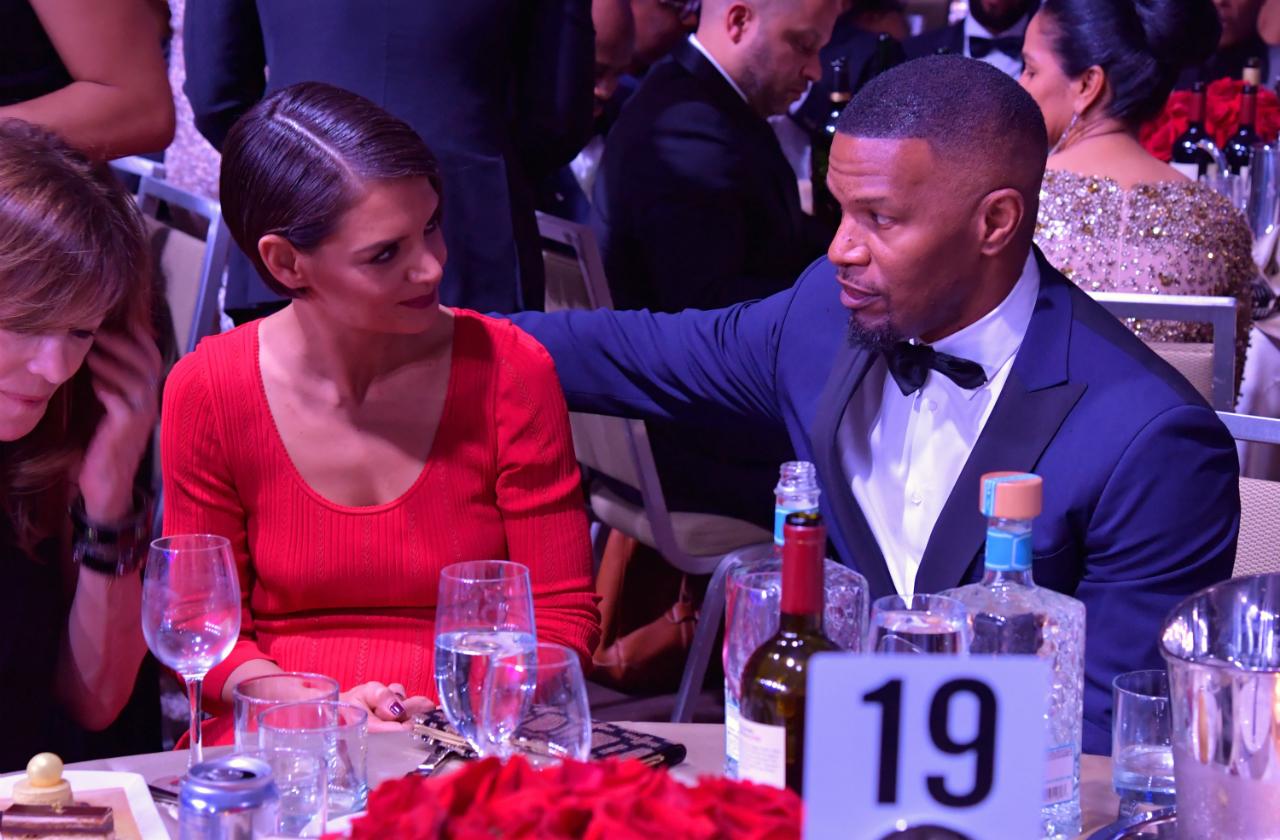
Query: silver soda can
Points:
[228, 798]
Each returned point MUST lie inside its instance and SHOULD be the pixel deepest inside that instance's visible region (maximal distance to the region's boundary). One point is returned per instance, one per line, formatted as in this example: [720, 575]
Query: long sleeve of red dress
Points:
[351, 592]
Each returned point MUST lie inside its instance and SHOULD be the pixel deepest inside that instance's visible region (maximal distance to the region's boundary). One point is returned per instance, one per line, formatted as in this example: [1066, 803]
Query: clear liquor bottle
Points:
[1011, 615]
[796, 492]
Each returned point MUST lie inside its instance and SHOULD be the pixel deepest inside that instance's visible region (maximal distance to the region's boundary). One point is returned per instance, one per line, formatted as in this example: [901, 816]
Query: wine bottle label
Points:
[731, 728]
[1059, 776]
[1191, 170]
[762, 753]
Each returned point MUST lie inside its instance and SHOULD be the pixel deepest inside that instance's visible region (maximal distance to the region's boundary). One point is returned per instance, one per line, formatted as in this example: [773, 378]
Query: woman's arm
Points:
[103, 645]
[120, 103]
[102, 649]
[540, 495]
[200, 498]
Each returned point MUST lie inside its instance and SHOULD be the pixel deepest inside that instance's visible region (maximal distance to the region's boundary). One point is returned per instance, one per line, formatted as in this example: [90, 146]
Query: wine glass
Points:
[918, 624]
[557, 724]
[485, 612]
[191, 612]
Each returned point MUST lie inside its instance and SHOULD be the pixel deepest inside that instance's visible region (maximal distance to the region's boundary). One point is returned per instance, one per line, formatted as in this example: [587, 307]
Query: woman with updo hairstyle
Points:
[358, 441]
[1112, 217]
[79, 376]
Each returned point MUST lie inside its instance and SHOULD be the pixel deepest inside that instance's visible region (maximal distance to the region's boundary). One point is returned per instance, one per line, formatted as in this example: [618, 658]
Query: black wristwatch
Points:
[115, 549]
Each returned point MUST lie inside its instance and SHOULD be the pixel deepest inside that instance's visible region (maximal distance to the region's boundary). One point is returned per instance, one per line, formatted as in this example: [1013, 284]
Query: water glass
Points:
[484, 613]
[557, 723]
[302, 780]
[1141, 740]
[254, 696]
[918, 624]
[191, 612]
[339, 732]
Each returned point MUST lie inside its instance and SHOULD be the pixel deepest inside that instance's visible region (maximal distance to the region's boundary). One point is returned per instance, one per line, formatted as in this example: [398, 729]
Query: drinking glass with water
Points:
[928, 624]
[1141, 741]
[191, 612]
[484, 615]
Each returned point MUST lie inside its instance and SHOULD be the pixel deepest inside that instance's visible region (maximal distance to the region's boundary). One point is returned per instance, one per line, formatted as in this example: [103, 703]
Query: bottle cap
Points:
[1011, 495]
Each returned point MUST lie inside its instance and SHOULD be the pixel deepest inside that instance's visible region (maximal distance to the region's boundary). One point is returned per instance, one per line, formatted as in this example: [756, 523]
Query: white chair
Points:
[616, 451]
[192, 268]
[1258, 549]
[1211, 368]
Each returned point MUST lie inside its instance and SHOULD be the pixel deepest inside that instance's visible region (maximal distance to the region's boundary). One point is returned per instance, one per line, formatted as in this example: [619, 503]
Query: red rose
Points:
[1222, 117]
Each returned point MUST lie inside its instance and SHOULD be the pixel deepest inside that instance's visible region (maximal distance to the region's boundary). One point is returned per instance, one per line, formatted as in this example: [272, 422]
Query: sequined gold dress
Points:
[1167, 238]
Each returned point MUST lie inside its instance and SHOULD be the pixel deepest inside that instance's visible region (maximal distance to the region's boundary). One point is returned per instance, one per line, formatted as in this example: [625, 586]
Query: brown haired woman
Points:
[73, 286]
[361, 439]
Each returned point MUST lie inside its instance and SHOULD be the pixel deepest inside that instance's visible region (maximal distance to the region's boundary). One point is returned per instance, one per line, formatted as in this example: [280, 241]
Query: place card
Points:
[900, 741]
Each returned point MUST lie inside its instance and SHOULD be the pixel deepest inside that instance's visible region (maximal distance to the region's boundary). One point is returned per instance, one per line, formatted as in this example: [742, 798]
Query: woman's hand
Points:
[389, 709]
[126, 378]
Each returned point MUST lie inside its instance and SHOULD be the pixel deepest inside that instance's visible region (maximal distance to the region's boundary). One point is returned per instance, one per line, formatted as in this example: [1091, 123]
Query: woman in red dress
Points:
[364, 437]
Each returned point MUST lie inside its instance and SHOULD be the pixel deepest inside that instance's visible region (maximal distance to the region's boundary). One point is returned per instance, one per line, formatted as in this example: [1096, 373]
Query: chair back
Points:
[1258, 548]
[615, 447]
[1211, 368]
[192, 268]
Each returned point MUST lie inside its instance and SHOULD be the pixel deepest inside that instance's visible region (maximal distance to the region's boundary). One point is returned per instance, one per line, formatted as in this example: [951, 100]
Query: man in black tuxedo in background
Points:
[697, 207]
[499, 89]
[992, 32]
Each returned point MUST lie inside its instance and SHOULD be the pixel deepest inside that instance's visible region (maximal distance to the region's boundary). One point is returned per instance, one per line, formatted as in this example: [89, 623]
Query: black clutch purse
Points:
[608, 740]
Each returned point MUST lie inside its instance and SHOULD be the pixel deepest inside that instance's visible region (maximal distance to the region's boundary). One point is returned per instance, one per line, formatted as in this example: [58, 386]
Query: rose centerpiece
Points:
[617, 800]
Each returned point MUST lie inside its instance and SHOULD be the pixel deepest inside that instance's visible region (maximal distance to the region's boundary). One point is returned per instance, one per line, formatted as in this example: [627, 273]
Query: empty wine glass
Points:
[484, 612]
[918, 624]
[557, 723]
[191, 612]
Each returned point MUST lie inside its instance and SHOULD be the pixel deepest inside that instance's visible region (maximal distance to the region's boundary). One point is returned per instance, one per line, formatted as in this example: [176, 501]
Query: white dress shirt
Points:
[1005, 64]
[693, 39]
[903, 454]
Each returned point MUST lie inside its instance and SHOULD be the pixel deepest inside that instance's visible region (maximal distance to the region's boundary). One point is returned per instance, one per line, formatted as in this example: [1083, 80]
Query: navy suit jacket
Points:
[1141, 500]
[499, 89]
[696, 204]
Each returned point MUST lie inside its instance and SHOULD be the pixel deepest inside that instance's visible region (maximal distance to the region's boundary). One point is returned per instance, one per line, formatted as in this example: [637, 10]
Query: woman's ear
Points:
[1089, 90]
[282, 260]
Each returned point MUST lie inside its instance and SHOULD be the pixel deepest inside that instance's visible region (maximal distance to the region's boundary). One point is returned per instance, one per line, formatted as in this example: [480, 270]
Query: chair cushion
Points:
[1194, 360]
[697, 534]
[1258, 551]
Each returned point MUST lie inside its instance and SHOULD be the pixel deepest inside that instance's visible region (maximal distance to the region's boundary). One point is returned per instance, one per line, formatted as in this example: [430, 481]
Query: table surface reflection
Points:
[394, 754]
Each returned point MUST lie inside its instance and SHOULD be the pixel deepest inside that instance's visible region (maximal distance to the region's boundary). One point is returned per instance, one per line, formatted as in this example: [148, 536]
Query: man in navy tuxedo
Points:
[991, 32]
[933, 345]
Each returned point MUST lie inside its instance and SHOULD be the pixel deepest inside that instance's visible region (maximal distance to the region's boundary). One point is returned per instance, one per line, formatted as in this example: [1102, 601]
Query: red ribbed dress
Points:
[350, 592]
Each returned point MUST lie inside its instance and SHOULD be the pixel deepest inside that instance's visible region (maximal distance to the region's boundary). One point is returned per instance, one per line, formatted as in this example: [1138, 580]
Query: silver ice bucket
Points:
[1223, 650]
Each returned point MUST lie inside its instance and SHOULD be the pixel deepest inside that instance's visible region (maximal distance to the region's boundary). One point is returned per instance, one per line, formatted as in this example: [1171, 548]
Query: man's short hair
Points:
[971, 114]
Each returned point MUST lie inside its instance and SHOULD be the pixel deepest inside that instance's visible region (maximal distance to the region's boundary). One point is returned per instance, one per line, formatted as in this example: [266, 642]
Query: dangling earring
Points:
[1062, 141]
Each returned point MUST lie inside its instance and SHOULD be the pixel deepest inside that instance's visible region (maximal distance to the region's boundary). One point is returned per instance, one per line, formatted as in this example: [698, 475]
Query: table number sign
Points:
[893, 742]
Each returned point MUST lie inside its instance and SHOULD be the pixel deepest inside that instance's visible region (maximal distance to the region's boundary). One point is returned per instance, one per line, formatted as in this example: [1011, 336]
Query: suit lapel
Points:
[1036, 398]
[752, 125]
[844, 517]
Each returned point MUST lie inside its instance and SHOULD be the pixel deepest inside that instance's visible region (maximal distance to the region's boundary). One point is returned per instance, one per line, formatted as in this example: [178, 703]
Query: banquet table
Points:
[393, 754]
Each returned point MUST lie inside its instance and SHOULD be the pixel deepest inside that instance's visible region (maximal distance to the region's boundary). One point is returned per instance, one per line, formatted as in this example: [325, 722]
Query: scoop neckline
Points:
[445, 418]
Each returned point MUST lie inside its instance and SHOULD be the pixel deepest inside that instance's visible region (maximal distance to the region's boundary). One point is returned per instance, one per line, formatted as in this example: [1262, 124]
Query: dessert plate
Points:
[118, 790]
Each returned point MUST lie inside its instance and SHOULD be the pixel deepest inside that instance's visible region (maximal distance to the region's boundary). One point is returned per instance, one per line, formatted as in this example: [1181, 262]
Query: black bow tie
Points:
[1010, 45]
[909, 364]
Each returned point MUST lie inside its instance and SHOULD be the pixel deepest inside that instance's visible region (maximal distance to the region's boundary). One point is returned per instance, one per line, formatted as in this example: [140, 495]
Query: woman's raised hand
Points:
[126, 371]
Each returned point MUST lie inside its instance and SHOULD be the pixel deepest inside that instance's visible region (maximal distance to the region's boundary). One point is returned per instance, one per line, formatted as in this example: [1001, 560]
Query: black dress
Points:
[29, 65]
[32, 619]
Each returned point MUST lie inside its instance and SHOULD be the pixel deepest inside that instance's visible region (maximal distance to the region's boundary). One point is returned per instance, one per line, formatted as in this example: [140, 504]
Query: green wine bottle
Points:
[771, 732]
